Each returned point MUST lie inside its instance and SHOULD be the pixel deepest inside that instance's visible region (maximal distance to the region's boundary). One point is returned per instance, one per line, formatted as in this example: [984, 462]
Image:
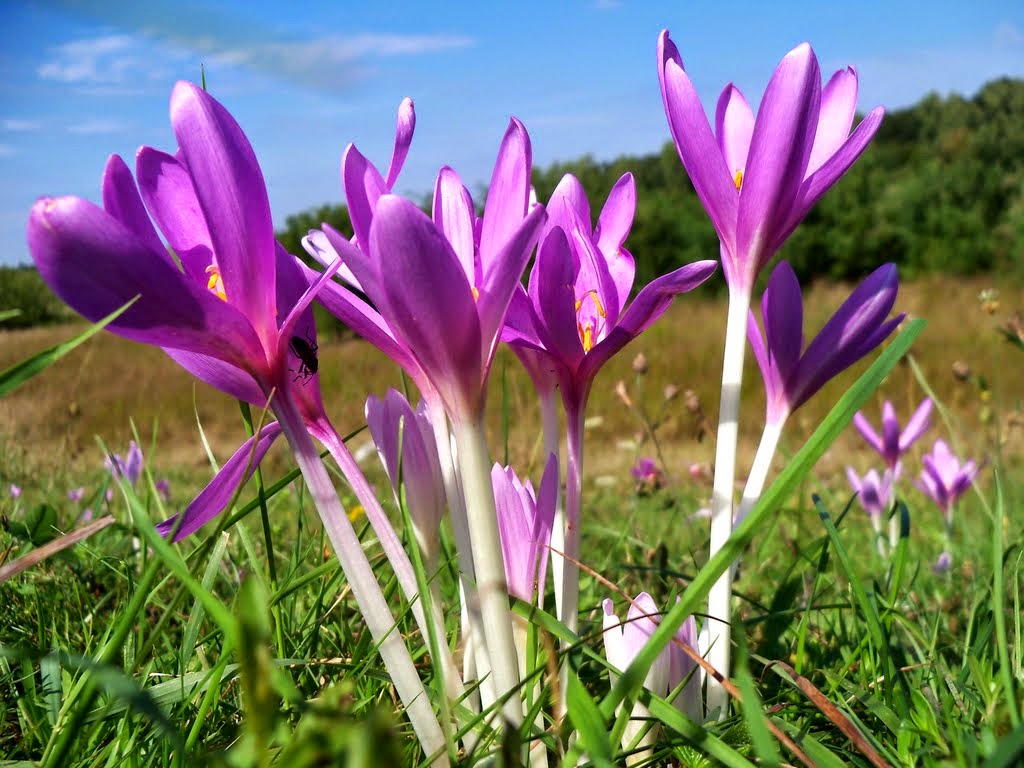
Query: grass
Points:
[123, 650]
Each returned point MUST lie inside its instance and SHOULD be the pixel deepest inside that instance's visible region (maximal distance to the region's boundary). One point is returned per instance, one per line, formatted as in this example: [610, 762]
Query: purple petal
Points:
[819, 182]
[431, 309]
[299, 311]
[121, 200]
[216, 496]
[868, 433]
[838, 106]
[233, 197]
[783, 311]
[403, 138]
[96, 266]
[734, 127]
[555, 299]
[170, 197]
[696, 145]
[363, 186]
[890, 432]
[547, 502]
[454, 215]
[226, 377]
[779, 148]
[917, 425]
[773, 385]
[841, 342]
[568, 196]
[366, 321]
[501, 281]
[648, 306]
[508, 194]
[319, 247]
[612, 229]
[515, 533]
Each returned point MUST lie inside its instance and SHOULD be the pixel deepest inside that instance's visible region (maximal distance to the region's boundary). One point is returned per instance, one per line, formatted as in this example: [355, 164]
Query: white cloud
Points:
[16, 125]
[104, 59]
[1008, 36]
[99, 125]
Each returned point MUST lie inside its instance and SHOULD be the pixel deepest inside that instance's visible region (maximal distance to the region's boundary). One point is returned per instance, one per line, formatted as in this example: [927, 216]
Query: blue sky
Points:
[81, 79]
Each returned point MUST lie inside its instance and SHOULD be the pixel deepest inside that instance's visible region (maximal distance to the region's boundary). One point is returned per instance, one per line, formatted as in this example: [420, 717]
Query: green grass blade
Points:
[21, 372]
[837, 420]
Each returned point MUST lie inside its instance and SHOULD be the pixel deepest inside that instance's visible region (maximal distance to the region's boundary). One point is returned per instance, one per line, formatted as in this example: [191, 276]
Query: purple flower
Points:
[647, 474]
[875, 493]
[405, 444]
[943, 564]
[216, 305]
[893, 443]
[128, 468]
[14, 491]
[857, 327]
[624, 640]
[944, 479]
[75, 495]
[575, 309]
[524, 522]
[758, 178]
[441, 321]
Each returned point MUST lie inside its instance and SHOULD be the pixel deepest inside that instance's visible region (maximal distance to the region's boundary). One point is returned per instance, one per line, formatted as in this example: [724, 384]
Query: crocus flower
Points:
[214, 302]
[893, 443]
[623, 640]
[944, 479]
[874, 492]
[405, 444]
[14, 491]
[524, 520]
[943, 564]
[127, 468]
[75, 495]
[791, 377]
[758, 177]
[163, 487]
[574, 318]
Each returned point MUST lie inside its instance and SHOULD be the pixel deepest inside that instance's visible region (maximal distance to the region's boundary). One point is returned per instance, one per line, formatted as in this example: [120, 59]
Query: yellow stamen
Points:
[215, 284]
[356, 512]
[587, 337]
[476, 293]
[597, 303]
[738, 179]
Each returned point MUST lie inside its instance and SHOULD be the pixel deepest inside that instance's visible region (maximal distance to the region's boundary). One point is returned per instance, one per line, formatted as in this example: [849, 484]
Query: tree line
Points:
[940, 189]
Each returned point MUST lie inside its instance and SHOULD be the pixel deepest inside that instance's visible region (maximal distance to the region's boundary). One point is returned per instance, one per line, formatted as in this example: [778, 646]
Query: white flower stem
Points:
[492, 589]
[363, 582]
[720, 597]
[759, 469]
[474, 660]
[400, 563]
[567, 594]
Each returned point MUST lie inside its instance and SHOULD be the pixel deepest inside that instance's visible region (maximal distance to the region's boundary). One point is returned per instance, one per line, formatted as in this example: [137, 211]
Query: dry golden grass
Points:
[97, 390]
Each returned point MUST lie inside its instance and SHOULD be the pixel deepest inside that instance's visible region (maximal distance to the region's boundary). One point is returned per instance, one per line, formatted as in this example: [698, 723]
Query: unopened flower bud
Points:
[640, 363]
[671, 392]
[961, 370]
[620, 390]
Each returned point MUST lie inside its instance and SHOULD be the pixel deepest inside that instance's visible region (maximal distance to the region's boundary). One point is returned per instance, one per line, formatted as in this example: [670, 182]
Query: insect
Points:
[304, 349]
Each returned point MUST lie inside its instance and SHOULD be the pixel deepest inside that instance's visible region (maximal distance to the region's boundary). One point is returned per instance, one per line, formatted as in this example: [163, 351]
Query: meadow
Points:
[124, 650]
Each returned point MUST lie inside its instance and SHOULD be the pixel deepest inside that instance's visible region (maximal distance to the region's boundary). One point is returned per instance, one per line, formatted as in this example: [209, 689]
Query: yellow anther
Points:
[587, 337]
[597, 302]
[215, 284]
[356, 512]
[738, 179]
[476, 293]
